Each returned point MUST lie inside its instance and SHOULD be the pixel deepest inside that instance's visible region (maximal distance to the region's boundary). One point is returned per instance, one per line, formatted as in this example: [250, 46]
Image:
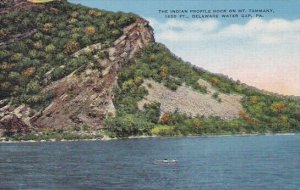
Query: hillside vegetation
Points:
[37, 45]
[262, 113]
[60, 62]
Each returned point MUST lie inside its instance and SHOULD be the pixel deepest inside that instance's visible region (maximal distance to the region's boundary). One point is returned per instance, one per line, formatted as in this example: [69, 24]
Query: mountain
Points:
[73, 72]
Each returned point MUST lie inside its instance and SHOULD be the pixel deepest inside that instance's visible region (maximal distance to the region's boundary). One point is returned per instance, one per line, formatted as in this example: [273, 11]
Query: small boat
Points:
[165, 161]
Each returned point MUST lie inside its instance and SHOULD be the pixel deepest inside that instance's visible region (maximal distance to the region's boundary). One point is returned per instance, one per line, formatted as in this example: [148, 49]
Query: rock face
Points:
[86, 98]
[187, 101]
[7, 6]
[14, 120]
[11, 125]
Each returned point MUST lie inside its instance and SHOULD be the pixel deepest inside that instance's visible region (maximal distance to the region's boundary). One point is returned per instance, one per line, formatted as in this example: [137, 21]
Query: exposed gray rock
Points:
[188, 101]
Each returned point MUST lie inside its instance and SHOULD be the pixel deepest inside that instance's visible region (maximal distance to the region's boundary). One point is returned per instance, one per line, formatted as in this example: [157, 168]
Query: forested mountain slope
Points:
[68, 71]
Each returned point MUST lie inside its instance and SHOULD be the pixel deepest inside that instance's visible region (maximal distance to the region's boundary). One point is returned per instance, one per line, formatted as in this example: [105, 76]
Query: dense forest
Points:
[58, 31]
[37, 48]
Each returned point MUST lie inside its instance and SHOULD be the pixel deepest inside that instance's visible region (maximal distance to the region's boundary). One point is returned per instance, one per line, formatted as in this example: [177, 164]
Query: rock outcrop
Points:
[7, 6]
[187, 101]
[86, 98]
[14, 120]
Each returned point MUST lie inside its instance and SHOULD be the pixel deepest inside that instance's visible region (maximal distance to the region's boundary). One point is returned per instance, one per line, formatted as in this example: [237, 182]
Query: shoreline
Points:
[106, 138]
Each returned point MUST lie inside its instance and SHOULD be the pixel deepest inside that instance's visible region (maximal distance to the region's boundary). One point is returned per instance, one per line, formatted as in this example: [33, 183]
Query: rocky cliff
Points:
[85, 98]
[73, 68]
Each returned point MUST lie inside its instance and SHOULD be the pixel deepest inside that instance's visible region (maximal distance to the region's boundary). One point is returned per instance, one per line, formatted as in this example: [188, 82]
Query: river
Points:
[228, 162]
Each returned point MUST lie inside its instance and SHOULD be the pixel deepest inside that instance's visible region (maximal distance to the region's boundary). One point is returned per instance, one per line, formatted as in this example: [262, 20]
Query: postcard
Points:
[170, 94]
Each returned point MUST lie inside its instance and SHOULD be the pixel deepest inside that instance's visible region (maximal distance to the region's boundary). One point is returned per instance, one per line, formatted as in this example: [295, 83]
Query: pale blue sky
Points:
[263, 52]
[288, 9]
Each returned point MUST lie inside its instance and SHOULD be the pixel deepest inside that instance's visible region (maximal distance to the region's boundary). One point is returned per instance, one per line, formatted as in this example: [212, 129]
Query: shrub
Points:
[215, 95]
[164, 130]
[202, 88]
[128, 124]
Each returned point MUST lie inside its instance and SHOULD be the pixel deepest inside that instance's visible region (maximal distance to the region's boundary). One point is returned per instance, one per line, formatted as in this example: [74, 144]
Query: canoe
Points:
[165, 161]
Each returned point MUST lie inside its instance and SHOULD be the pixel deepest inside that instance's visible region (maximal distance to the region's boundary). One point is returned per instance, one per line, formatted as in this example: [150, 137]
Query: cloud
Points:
[274, 31]
[263, 53]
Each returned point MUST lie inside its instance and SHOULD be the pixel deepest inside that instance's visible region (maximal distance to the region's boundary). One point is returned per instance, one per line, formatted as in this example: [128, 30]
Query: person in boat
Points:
[166, 161]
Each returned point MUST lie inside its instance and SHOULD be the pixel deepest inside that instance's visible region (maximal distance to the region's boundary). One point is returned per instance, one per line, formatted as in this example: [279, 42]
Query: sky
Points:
[259, 51]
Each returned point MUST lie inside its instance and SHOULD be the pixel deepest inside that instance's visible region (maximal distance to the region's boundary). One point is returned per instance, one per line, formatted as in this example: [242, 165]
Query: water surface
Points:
[251, 162]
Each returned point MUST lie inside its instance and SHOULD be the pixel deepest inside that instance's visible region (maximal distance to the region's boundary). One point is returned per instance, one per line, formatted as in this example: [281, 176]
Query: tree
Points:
[245, 116]
[165, 118]
[71, 47]
[152, 57]
[164, 72]
[14, 76]
[254, 99]
[128, 124]
[38, 36]
[58, 73]
[94, 13]
[283, 119]
[5, 89]
[47, 27]
[152, 112]
[28, 72]
[128, 85]
[116, 32]
[278, 106]
[214, 81]
[112, 23]
[4, 54]
[33, 87]
[74, 14]
[90, 30]
[16, 57]
[38, 45]
[138, 81]
[196, 122]
[50, 48]
[3, 34]
[33, 53]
